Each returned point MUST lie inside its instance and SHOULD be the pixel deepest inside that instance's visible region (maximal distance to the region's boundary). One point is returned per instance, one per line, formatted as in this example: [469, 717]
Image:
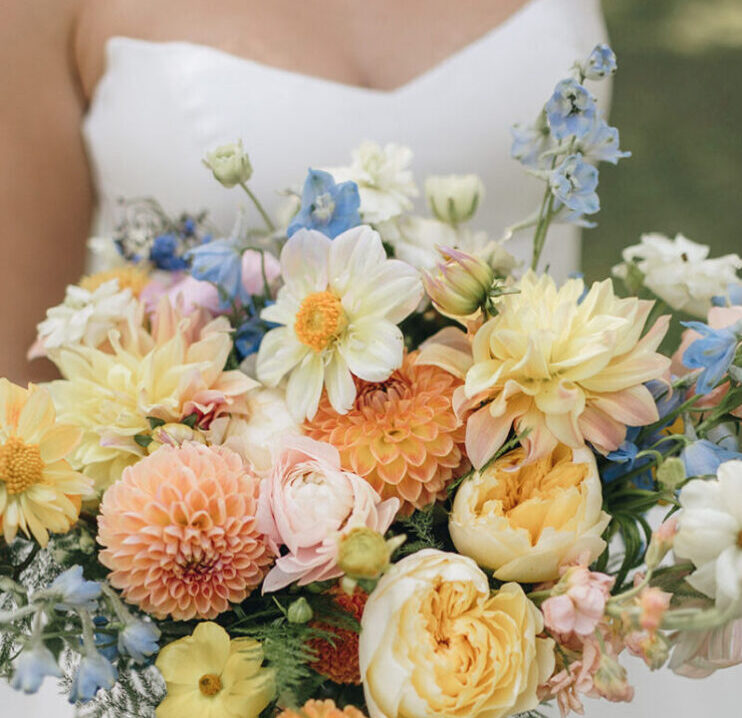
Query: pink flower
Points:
[184, 291]
[307, 503]
[574, 679]
[653, 603]
[579, 604]
[253, 265]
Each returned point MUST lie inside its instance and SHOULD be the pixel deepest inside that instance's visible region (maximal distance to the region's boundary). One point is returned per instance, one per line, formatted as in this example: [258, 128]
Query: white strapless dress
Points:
[160, 106]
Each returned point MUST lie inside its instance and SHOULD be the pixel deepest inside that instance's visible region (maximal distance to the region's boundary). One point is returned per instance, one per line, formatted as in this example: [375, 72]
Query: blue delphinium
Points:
[32, 666]
[570, 110]
[703, 457]
[104, 642]
[732, 298]
[601, 143]
[94, 672]
[71, 590]
[601, 63]
[573, 183]
[713, 353]
[530, 142]
[165, 253]
[220, 263]
[138, 639]
[326, 206]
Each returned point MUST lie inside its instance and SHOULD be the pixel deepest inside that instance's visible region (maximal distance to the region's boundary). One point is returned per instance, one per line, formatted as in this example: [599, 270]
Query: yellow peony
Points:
[39, 492]
[210, 676]
[435, 642]
[524, 520]
[568, 368]
[169, 373]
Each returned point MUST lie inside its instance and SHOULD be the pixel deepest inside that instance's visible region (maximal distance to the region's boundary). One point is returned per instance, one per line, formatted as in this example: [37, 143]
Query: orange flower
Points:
[322, 709]
[179, 532]
[401, 434]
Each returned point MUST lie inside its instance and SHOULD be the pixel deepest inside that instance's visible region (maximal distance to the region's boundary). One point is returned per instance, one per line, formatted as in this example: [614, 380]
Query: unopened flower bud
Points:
[230, 164]
[610, 680]
[662, 541]
[363, 553]
[671, 473]
[461, 283]
[655, 650]
[174, 435]
[300, 611]
[454, 199]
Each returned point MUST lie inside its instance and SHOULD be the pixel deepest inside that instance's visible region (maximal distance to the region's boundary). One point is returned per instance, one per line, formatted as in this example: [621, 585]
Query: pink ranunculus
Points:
[307, 503]
[580, 605]
[253, 264]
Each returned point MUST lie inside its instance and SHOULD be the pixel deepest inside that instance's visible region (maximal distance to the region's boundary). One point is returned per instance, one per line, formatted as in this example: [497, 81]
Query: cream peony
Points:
[679, 271]
[570, 369]
[339, 308]
[524, 521]
[435, 642]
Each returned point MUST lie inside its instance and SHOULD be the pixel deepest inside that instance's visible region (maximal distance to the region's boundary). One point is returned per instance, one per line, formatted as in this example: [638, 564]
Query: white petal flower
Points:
[339, 308]
[710, 534]
[679, 271]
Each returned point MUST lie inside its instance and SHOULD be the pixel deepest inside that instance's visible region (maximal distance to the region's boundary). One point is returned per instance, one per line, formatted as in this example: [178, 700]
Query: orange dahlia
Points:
[339, 660]
[179, 534]
[322, 709]
[401, 434]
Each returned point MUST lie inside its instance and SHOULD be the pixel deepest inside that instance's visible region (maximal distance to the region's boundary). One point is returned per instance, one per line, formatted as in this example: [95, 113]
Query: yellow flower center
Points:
[21, 465]
[319, 320]
[128, 277]
[210, 684]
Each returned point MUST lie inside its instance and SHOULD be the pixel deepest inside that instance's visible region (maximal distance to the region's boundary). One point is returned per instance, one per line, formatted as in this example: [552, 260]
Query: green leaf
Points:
[144, 440]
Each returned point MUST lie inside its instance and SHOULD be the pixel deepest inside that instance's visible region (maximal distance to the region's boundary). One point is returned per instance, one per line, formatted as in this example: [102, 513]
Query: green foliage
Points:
[420, 529]
[137, 694]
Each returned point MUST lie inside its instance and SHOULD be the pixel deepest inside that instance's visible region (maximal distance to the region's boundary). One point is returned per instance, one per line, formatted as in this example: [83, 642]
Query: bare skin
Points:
[52, 56]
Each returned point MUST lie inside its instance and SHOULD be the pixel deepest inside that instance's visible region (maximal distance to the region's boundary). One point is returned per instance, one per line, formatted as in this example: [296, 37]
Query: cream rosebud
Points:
[460, 284]
[454, 198]
[230, 164]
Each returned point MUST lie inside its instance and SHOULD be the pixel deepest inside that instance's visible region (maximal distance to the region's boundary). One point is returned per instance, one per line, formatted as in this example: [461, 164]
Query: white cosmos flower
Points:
[384, 179]
[679, 271]
[710, 533]
[339, 308]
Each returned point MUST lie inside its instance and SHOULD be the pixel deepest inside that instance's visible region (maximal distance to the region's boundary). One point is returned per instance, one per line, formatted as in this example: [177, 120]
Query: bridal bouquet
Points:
[359, 462]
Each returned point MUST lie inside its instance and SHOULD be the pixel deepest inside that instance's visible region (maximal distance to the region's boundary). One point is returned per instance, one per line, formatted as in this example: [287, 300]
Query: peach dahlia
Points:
[401, 434]
[179, 532]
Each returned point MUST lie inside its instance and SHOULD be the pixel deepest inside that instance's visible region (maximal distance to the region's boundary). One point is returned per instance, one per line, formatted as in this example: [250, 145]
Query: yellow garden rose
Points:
[523, 520]
[436, 642]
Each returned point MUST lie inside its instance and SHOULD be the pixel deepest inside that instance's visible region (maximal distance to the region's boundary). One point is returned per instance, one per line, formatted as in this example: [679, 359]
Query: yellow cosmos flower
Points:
[39, 492]
[525, 520]
[435, 643]
[210, 676]
[170, 372]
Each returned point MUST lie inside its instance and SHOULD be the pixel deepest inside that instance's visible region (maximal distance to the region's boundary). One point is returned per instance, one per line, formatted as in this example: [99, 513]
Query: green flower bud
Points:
[363, 553]
[300, 611]
[230, 164]
[454, 199]
[671, 473]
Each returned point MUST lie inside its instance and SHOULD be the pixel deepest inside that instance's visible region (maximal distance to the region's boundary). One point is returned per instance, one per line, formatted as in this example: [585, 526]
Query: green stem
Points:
[259, 207]
[545, 215]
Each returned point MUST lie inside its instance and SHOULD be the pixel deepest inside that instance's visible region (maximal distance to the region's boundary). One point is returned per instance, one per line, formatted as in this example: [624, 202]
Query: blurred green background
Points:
[678, 105]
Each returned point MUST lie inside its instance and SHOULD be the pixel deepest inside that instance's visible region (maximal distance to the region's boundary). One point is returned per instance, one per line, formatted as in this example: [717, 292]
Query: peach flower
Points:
[573, 680]
[653, 603]
[179, 532]
[322, 709]
[307, 504]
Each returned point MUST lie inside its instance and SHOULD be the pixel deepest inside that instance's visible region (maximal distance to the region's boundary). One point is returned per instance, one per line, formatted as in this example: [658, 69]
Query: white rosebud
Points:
[454, 198]
[230, 164]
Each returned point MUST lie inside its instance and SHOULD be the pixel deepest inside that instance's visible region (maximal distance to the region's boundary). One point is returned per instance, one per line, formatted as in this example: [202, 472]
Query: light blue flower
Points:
[530, 143]
[712, 353]
[138, 639]
[71, 590]
[32, 666]
[570, 110]
[165, 253]
[326, 206]
[574, 182]
[600, 64]
[732, 298]
[703, 458]
[601, 143]
[220, 263]
[93, 673]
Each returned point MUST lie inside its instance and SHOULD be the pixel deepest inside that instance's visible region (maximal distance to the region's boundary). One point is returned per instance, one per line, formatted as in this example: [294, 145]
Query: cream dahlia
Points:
[170, 372]
[567, 368]
[39, 492]
[179, 535]
[338, 308]
[401, 435]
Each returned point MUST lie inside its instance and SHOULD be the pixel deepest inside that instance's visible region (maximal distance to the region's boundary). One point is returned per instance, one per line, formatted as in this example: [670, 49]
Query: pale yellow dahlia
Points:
[567, 368]
[170, 372]
[39, 492]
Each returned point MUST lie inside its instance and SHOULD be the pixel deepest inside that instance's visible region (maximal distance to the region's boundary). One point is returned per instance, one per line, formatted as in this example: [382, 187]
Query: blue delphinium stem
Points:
[545, 216]
[268, 222]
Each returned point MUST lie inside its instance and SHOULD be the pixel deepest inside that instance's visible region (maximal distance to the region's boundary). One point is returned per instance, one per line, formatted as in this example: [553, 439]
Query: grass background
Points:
[678, 105]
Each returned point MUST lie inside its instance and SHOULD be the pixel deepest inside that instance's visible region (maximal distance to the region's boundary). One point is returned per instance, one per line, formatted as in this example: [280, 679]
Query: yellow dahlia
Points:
[170, 372]
[39, 492]
[128, 277]
[401, 434]
[568, 368]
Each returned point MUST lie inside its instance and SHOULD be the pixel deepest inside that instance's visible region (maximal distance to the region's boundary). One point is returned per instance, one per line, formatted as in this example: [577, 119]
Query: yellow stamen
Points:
[128, 277]
[21, 465]
[210, 684]
[319, 320]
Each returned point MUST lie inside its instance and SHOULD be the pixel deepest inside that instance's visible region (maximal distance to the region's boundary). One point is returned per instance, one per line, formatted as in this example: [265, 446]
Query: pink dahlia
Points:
[179, 532]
